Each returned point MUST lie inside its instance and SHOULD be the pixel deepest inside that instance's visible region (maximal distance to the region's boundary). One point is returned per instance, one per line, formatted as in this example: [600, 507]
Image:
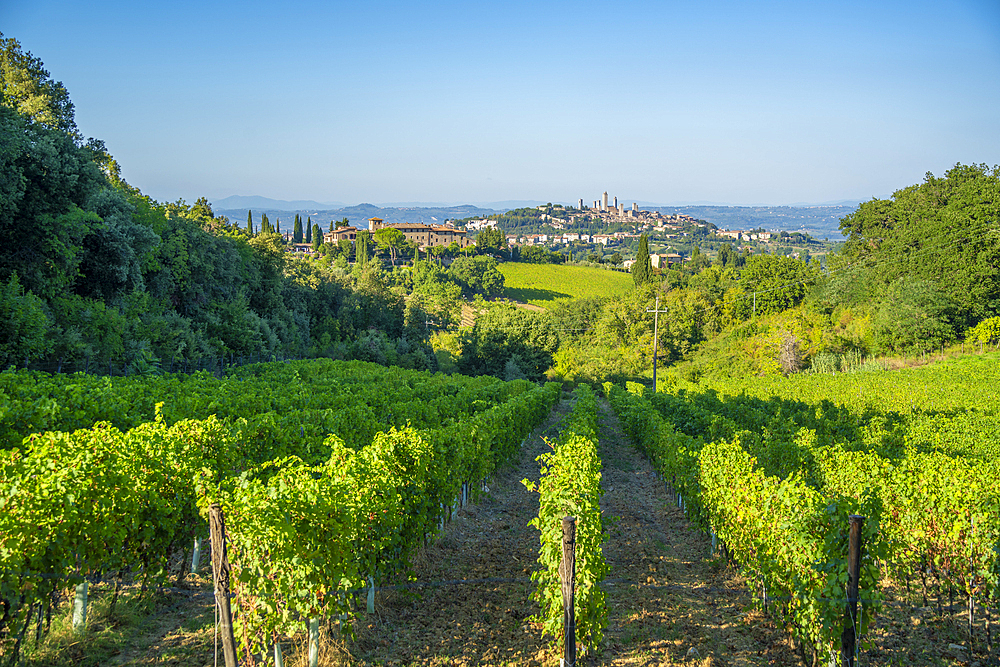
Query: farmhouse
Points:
[425, 235]
[345, 233]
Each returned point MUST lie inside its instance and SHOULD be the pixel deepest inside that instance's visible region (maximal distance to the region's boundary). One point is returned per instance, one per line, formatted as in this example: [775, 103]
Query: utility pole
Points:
[656, 330]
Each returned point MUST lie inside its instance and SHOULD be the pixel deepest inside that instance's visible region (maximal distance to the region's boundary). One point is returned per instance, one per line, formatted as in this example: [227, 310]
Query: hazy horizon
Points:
[248, 201]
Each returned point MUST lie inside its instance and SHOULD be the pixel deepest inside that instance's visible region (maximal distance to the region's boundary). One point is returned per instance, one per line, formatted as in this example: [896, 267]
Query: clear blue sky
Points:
[737, 102]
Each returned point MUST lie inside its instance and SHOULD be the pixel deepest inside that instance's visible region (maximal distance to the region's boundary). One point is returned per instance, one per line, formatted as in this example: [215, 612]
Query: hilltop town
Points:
[612, 227]
[607, 232]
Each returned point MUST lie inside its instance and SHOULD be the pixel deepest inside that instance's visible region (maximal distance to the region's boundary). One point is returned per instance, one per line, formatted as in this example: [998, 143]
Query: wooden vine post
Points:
[849, 637]
[567, 575]
[220, 576]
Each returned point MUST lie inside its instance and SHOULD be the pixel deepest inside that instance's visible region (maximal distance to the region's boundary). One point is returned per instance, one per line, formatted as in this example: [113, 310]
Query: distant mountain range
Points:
[253, 202]
[265, 203]
[357, 215]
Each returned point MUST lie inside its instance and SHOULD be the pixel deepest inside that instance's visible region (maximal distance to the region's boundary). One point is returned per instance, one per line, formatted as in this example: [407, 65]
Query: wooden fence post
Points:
[220, 575]
[567, 576]
[851, 626]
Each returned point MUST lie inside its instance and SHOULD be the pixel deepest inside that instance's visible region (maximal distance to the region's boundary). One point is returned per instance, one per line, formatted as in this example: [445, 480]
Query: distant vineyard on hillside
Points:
[546, 285]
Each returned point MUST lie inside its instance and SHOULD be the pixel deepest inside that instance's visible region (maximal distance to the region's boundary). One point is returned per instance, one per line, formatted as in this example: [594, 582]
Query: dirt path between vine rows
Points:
[669, 602]
[659, 605]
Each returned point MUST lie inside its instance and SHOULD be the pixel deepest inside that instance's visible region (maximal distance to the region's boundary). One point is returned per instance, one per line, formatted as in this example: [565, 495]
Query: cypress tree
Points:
[642, 270]
[250, 223]
[361, 248]
[297, 230]
[277, 225]
[265, 224]
[317, 237]
[309, 231]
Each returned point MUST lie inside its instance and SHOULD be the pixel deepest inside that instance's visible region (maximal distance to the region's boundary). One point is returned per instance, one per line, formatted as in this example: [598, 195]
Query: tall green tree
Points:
[774, 283]
[491, 239]
[317, 237]
[345, 248]
[391, 239]
[642, 270]
[309, 231]
[23, 324]
[506, 336]
[249, 223]
[362, 248]
[26, 87]
[297, 230]
[477, 275]
[915, 315]
[46, 184]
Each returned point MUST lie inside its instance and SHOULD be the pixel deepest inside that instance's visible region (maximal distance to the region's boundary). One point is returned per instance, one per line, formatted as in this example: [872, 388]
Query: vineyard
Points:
[310, 514]
[343, 483]
[547, 285]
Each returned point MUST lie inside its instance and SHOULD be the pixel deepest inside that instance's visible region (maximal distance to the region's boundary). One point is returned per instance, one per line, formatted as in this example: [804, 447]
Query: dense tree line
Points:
[927, 261]
[92, 268]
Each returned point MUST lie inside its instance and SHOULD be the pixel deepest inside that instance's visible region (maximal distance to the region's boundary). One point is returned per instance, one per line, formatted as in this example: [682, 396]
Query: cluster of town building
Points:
[739, 235]
[569, 237]
[613, 212]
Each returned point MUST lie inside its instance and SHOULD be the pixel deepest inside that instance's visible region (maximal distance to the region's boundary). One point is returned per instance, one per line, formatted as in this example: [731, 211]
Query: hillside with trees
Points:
[95, 274]
[919, 271]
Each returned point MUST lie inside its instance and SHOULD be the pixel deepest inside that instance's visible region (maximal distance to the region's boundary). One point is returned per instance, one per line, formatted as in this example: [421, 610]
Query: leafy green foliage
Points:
[26, 87]
[23, 324]
[533, 254]
[506, 333]
[477, 275]
[987, 331]
[944, 231]
[491, 239]
[390, 238]
[570, 485]
[914, 316]
[74, 504]
[778, 282]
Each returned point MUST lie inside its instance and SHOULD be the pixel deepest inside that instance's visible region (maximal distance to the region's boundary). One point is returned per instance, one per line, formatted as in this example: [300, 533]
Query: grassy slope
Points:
[956, 382]
[546, 285]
